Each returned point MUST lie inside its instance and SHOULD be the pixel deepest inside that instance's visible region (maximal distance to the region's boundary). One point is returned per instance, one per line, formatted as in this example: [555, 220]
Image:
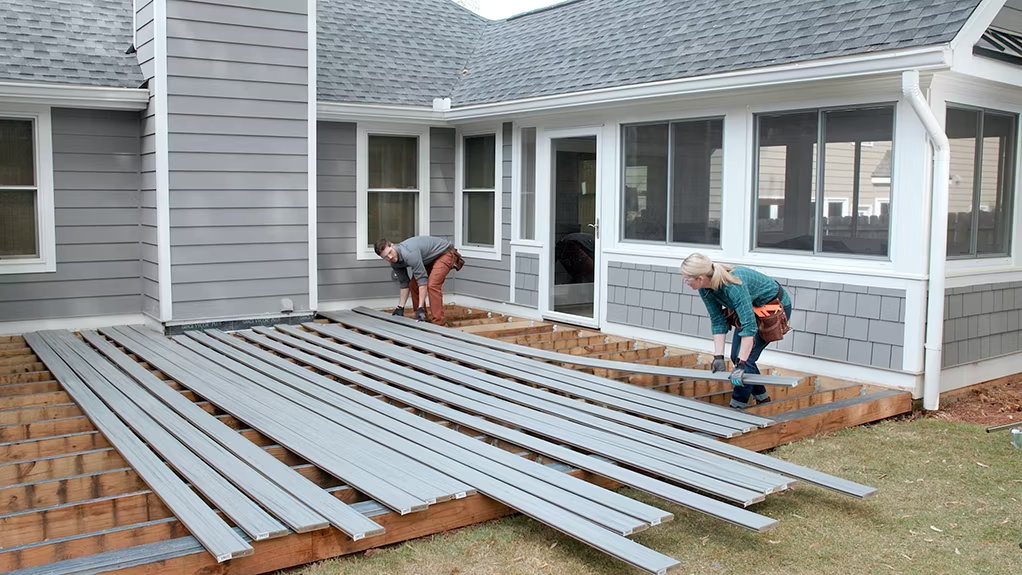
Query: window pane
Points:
[17, 153]
[696, 181]
[17, 224]
[528, 199]
[645, 174]
[962, 131]
[858, 142]
[478, 218]
[393, 215]
[393, 162]
[996, 184]
[786, 181]
[480, 162]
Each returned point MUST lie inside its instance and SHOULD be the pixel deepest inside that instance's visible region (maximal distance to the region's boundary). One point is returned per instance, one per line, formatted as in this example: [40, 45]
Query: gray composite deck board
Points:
[593, 464]
[339, 514]
[508, 365]
[331, 402]
[539, 423]
[383, 464]
[231, 501]
[287, 371]
[527, 396]
[249, 480]
[766, 462]
[680, 372]
[265, 419]
[214, 534]
[424, 480]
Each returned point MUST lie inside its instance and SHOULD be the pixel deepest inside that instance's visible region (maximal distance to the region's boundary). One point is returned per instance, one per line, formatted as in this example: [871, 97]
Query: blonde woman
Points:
[723, 287]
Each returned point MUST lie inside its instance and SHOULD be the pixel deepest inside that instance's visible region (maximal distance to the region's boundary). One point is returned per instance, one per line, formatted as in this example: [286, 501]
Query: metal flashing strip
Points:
[215, 535]
[679, 467]
[335, 511]
[690, 413]
[340, 462]
[593, 464]
[696, 374]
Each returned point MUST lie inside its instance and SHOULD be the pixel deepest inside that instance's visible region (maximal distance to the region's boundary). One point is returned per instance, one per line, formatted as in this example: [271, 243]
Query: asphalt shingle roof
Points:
[591, 44]
[393, 51]
[68, 42]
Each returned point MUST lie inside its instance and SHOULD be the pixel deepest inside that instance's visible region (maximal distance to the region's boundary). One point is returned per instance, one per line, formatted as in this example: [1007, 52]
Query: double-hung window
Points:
[982, 182]
[849, 174]
[477, 209]
[392, 181]
[27, 234]
[673, 172]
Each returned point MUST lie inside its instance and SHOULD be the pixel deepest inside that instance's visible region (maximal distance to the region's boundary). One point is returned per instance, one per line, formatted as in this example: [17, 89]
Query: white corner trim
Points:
[312, 151]
[363, 248]
[353, 112]
[480, 252]
[71, 323]
[928, 58]
[162, 144]
[976, 25]
[73, 96]
[42, 128]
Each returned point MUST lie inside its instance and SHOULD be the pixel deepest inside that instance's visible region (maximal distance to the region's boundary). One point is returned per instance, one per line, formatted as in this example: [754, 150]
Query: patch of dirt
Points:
[996, 404]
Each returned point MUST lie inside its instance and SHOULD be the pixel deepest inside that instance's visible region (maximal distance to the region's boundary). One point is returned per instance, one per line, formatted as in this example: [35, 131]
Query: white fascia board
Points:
[929, 58]
[72, 96]
[353, 112]
[976, 25]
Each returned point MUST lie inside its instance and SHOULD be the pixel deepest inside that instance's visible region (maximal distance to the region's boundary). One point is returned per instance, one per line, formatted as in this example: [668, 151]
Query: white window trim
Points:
[364, 249]
[481, 252]
[516, 188]
[46, 223]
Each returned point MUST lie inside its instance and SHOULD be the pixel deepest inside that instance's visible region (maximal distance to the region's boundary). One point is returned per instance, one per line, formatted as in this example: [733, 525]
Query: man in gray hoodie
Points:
[421, 265]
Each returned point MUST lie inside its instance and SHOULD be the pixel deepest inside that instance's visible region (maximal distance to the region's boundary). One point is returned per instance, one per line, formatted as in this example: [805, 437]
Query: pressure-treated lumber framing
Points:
[465, 336]
[222, 542]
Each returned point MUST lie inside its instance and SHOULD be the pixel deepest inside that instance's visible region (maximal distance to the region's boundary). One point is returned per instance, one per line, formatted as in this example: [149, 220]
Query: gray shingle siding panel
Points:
[840, 322]
[982, 323]
[68, 42]
[96, 197]
[527, 281]
[607, 43]
[240, 177]
[393, 51]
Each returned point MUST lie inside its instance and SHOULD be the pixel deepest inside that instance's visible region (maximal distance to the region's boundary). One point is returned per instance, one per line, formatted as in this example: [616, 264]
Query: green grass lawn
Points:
[949, 502]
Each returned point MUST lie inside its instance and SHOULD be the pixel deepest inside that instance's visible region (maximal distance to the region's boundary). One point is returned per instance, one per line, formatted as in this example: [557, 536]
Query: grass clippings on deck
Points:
[950, 502]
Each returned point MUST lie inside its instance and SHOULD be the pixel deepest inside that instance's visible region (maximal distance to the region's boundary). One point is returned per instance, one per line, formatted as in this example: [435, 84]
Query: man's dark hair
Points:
[380, 245]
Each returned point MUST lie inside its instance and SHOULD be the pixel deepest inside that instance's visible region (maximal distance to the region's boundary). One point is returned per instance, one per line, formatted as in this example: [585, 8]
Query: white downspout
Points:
[938, 238]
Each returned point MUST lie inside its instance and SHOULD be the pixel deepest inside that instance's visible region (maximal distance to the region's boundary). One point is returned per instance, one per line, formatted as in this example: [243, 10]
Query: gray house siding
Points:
[148, 236]
[96, 200]
[238, 151]
[527, 280]
[145, 46]
[491, 279]
[842, 322]
[982, 322]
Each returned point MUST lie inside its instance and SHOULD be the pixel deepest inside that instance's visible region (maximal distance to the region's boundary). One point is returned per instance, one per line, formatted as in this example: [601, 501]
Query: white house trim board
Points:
[73, 96]
[46, 260]
[162, 143]
[348, 112]
[364, 249]
[313, 156]
[976, 25]
[481, 252]
[71, 323]
[972, 373]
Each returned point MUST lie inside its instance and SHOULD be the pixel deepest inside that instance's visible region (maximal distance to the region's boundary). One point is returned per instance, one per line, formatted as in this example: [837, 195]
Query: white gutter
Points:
[73, 96]
[893, 62]
[938, 238]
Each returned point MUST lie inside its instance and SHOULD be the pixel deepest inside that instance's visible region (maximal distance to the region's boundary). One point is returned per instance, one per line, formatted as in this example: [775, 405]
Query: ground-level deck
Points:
[68, 494]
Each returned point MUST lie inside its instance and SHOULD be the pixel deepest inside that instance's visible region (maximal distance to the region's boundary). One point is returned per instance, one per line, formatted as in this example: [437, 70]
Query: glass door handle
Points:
[596, 229]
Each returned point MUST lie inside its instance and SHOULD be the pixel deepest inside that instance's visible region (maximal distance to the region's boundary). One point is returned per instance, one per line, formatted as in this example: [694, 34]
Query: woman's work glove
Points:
[738, 374]
[718, 364]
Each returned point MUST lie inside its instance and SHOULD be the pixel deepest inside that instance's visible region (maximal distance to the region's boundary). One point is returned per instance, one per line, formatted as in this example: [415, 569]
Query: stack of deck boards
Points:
[317, 390]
